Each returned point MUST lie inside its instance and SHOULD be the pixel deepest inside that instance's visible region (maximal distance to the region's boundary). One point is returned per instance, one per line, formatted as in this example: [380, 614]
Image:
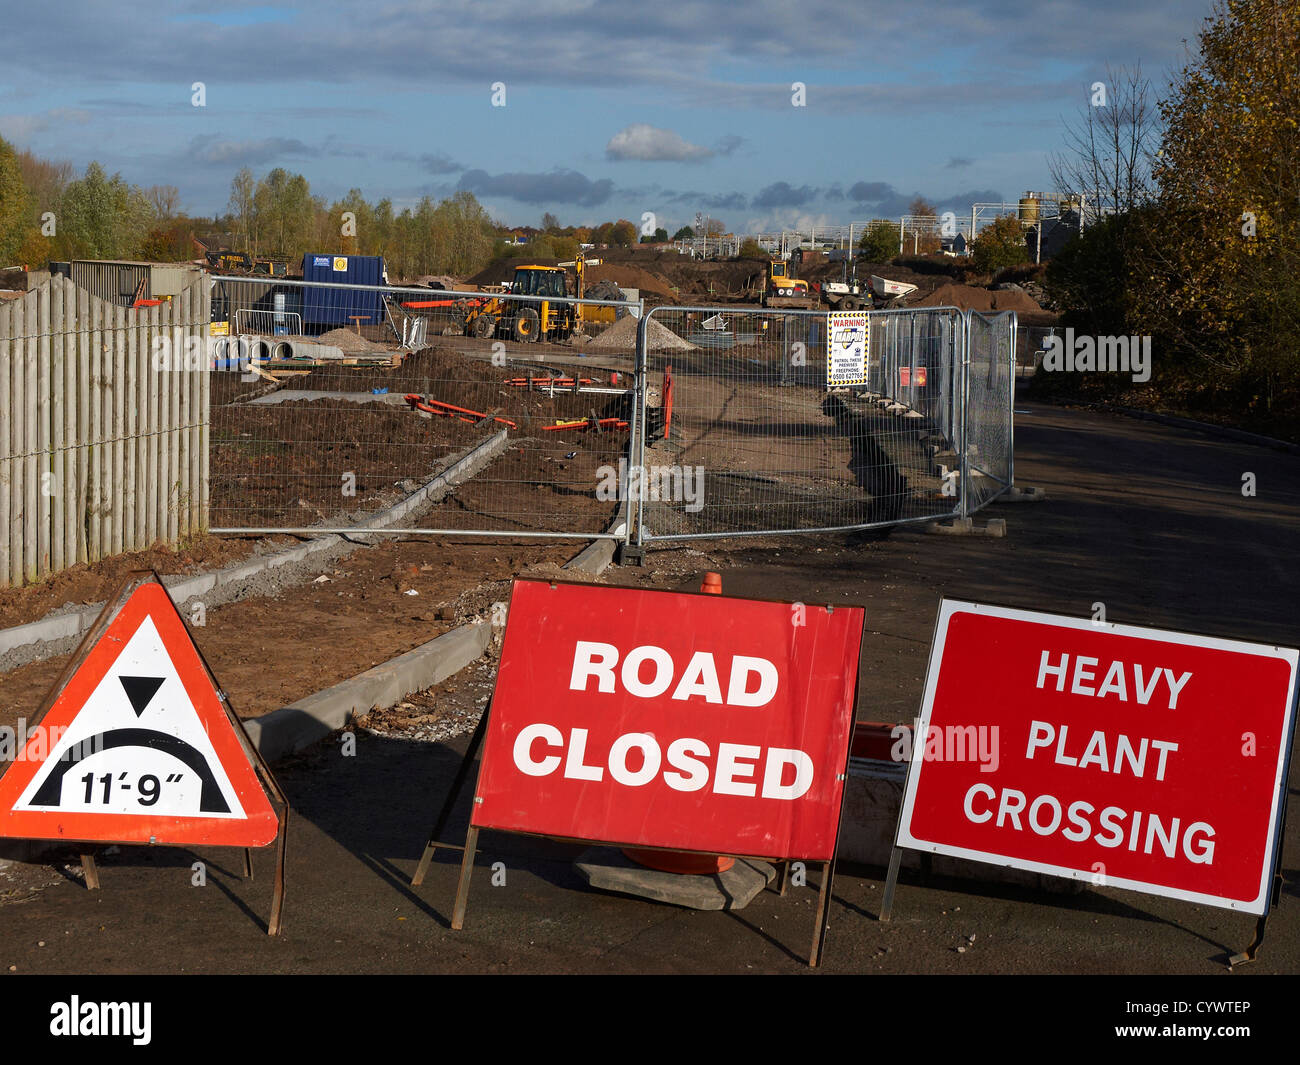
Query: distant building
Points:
[1057, 232]
[953, 245]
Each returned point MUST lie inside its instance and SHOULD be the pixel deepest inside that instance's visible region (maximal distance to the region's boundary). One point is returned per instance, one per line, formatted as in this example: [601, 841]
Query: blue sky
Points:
[611, 109]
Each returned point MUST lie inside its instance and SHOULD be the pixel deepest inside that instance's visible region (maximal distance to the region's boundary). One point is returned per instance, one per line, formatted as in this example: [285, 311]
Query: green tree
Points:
[879, 244]
[750, 249]
[623, 234]
[1219, 289]
[999, 245]
[685, 233]
[1091, 277]
[14, 205]
[286, 215]
[566, 248]
[102, 217]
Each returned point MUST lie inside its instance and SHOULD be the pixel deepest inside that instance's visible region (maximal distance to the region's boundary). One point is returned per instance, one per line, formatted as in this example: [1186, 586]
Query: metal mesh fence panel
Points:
[991, 340]
[499, 414]
[751, 438]
[1031, 342]
[914, 361]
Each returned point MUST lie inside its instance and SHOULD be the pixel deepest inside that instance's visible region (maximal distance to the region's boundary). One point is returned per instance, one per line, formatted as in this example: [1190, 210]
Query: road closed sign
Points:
[663, 719]
[1130, 757]
[136, 746]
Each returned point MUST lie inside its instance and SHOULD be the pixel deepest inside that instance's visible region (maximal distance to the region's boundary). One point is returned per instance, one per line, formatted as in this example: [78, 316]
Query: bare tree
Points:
[1110, 146]
[242, 209]
[164, 199]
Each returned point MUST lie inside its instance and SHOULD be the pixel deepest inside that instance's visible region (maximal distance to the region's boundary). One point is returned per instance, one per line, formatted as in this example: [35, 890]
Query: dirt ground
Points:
[327, 458]
[94, 582]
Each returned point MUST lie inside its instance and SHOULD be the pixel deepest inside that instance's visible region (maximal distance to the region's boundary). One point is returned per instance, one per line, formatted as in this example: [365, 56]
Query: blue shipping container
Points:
[324, 308]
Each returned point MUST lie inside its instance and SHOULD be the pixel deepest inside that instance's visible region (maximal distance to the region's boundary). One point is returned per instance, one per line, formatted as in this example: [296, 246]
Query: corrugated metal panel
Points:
[115, 282]
[328, 307]
[170, 279]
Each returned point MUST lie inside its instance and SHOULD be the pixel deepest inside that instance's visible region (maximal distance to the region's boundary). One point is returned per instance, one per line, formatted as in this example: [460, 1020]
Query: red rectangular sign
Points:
[665, 719]
[1135, 758]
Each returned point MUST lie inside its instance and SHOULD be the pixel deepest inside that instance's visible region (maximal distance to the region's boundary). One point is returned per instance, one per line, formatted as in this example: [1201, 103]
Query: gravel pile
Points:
[622, 335]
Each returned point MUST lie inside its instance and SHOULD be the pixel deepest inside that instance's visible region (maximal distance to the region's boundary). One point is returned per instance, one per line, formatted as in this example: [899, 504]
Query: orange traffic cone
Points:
[685, 861]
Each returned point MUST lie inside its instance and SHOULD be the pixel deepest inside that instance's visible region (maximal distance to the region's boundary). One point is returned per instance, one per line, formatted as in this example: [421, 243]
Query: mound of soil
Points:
[969, 298]
[625, 276]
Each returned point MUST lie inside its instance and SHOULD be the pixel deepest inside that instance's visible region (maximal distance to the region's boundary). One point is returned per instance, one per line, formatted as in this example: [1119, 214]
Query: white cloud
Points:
[649, 144]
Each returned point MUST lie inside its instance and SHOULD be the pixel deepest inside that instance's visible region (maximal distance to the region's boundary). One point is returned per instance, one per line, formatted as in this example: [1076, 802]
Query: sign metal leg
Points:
[462, 888]
[277, 898]
[444, 815]
[1249, 953]
[891, 882]
[823, 913]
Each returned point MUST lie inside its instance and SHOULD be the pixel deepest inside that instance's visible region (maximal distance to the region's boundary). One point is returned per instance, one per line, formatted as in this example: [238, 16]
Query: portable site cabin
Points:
[326, 308]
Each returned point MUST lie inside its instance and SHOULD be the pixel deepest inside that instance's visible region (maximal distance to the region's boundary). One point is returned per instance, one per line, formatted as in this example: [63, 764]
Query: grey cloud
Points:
[729, 144]
[783, 194]
[555, 187]
[714, 201]
[870, 191]
[440, 163]
[598, 43]
[212, 148]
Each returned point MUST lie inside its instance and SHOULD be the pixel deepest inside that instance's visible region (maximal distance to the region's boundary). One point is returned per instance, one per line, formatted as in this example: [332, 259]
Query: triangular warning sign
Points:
[136, 746]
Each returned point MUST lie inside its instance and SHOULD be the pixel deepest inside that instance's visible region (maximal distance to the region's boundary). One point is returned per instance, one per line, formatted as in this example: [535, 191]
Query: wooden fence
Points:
[104, 438]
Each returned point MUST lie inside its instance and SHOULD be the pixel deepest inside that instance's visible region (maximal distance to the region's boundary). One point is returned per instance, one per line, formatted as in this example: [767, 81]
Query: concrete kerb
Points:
[58, 633]
[593, 558]
[298, 725]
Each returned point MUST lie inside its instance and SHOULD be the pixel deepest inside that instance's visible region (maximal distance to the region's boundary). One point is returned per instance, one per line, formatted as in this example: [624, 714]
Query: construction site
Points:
[579, 489]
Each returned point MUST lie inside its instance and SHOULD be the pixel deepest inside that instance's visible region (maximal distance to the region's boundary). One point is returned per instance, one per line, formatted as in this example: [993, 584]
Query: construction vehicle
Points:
[846, 294]
[890, 293]
[542, 317]
[781, 289]
[240, 262]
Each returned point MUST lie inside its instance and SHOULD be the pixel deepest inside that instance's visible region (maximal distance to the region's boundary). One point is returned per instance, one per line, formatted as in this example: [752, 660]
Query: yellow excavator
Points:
[781, 289]
[529, 320]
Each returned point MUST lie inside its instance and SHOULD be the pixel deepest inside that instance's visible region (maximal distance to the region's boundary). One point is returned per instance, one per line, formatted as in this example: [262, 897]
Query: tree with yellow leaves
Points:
[1219, 280]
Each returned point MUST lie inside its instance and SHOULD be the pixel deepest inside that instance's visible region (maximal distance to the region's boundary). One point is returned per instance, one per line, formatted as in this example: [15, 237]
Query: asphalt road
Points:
[1148, 520]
